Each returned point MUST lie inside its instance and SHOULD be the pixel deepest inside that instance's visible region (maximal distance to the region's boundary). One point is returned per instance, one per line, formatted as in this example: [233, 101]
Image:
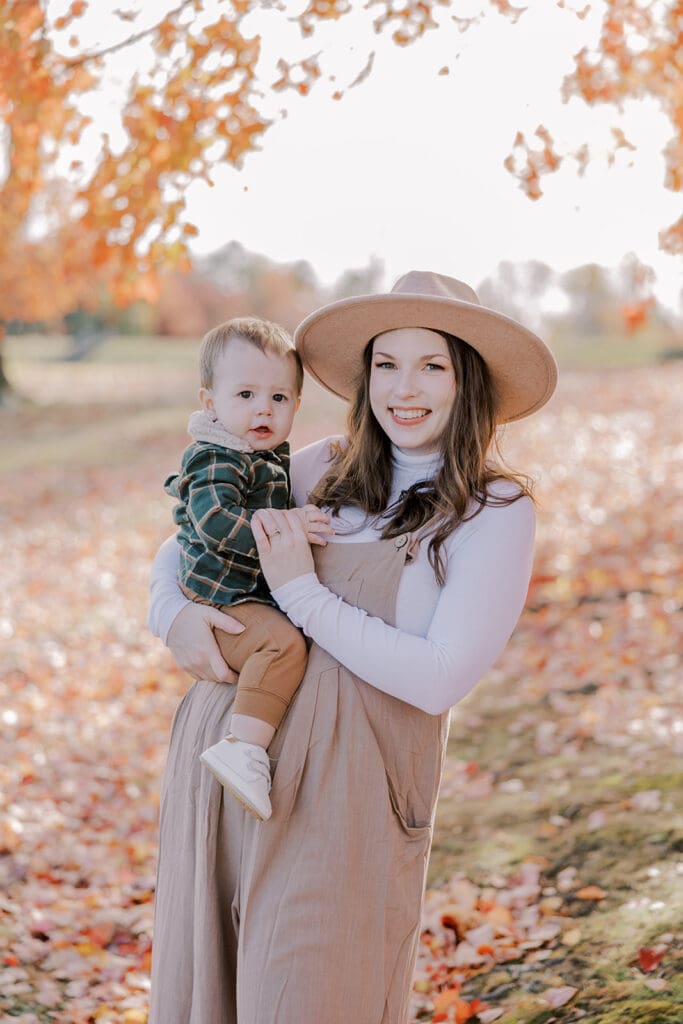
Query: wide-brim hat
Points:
[331, 340]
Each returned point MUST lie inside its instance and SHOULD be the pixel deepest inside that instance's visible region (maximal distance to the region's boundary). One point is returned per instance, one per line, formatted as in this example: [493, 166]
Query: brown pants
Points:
[270, 657]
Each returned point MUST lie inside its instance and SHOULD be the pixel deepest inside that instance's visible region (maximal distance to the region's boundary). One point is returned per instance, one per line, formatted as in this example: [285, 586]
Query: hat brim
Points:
[331, 341]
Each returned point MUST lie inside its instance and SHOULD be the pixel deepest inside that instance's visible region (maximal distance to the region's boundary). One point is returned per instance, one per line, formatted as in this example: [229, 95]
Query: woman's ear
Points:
[206, 398]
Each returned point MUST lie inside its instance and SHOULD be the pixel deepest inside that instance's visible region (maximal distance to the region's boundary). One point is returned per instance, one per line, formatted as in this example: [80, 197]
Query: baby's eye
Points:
[246, 394]
[279, 398]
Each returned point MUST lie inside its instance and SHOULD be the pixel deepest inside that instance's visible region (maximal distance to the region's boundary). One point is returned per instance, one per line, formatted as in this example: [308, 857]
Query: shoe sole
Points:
[215, 769]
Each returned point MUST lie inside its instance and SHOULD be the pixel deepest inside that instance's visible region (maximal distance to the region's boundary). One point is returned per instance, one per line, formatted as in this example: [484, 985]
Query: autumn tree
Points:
[73, 228]
[231, 280]
[639, 54]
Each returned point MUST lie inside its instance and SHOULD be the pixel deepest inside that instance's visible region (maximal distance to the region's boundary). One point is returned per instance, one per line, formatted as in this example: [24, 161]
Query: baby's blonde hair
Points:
[262, 334]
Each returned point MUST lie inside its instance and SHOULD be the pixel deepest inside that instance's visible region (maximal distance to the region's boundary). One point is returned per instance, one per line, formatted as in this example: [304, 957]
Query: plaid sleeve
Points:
[214, 487]
[283, 454]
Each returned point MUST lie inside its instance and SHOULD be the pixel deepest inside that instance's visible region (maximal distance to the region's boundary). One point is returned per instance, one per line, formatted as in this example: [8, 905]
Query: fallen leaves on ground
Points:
[87, 696]
[648, 959]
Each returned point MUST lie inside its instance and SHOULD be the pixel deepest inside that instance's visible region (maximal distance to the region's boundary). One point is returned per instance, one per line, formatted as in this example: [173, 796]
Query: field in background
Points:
[128, 391]
[558, 857]
[614, 350]
[132, 388]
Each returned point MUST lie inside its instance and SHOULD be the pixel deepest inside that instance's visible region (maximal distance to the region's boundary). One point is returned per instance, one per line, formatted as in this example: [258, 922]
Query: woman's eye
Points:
[435, 366]
[386, 365]
[246, 394]
[279, 398]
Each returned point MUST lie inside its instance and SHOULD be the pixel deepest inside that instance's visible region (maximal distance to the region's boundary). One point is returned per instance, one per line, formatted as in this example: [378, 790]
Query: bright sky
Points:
[408, 166]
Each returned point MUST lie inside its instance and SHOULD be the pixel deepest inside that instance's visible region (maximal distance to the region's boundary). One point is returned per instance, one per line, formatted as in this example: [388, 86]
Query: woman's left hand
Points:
[283, 548]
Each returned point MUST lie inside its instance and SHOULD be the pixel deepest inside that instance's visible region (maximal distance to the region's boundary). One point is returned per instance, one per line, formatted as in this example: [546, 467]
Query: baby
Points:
[251, 381]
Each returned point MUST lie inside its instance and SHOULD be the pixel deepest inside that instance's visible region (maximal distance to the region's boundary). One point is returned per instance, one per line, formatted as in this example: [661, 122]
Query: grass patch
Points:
[636, 858]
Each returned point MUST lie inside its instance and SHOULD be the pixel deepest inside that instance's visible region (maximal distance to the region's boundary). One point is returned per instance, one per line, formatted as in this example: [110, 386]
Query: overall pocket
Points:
[416, 822]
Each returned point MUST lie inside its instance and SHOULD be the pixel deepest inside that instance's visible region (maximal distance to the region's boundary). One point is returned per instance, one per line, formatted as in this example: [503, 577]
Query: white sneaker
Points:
[244, 769]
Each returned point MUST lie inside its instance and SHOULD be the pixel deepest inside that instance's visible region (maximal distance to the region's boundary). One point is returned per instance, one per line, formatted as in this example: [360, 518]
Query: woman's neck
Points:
[409, 468]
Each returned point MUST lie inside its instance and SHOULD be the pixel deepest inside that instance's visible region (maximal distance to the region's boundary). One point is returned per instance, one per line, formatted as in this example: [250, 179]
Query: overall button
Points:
[402, 540]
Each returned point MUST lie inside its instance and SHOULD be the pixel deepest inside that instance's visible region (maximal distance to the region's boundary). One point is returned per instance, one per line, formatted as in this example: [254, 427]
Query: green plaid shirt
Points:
[218, 489]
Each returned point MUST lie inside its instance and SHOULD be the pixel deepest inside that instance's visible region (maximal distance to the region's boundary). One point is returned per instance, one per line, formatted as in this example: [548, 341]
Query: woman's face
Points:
[412, 387]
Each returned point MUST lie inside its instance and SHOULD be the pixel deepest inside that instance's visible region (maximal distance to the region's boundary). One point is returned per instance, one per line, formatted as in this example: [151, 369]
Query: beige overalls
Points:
[312, 917]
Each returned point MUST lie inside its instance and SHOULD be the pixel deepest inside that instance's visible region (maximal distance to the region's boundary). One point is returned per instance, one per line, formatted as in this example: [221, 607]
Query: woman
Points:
[314, 915]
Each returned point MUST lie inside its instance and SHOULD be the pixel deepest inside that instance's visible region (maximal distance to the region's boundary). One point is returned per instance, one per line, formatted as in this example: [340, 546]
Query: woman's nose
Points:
[405, 386]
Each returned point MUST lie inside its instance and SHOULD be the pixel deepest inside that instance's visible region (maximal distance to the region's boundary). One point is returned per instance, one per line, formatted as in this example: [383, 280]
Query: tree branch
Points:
[130, 41]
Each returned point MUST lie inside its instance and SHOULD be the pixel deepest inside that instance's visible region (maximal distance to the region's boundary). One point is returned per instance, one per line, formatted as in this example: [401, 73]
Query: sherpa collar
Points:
[202, 428]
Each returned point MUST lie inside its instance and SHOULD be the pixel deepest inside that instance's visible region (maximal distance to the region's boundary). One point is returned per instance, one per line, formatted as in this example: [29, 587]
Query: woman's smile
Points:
[412, 387]
[409, 417]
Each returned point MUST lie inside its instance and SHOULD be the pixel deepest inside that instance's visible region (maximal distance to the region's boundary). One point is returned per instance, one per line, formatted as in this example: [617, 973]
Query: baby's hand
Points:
[316, 523]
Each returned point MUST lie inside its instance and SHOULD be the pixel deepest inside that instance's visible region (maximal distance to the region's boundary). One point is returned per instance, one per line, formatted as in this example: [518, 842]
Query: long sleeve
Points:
[218, 490]
[166, 597]
[489, 568]
[213, 489]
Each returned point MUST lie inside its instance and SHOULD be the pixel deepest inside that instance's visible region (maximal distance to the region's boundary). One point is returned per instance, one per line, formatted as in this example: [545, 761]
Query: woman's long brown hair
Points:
[361, 473]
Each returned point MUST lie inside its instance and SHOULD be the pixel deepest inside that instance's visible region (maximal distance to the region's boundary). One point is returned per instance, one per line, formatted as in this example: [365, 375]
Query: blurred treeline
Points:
[587, 301]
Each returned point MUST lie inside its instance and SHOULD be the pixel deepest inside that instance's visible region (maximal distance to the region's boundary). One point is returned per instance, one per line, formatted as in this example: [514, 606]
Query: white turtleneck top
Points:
[445, 638]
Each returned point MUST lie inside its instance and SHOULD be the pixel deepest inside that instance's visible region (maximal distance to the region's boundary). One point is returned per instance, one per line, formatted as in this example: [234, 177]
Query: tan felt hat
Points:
[331, 340]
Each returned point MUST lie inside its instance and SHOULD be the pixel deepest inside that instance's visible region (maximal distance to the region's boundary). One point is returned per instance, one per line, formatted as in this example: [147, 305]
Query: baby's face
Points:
[253, 395]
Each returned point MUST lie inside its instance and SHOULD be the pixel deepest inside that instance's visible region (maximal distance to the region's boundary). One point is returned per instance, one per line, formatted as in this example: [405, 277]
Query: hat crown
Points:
[425, 282]
[331, 341]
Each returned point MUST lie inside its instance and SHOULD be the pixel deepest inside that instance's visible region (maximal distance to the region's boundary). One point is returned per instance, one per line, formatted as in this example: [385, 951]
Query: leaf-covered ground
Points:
[556, 879]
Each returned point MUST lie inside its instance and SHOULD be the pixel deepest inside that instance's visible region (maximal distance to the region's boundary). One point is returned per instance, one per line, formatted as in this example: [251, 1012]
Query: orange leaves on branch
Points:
[550, 158]
[299, 75]
[197, 105]
[167, 34]
[620, 142]
[506, 8]
[413, 18]
[99, 235]
[76, 10]
[672, 237]
[38, 92]
[580, 13]
[673, 154]
[639, 53]
[582, 156]
[528, 165]
[321, 10]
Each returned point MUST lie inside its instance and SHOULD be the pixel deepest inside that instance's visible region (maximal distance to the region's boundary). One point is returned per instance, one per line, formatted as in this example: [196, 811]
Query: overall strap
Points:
[414, 539]
[409, 543]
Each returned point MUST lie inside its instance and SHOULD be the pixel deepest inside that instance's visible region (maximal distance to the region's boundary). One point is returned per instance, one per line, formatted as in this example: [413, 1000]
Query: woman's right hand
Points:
[192, 643]
[316, 523]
